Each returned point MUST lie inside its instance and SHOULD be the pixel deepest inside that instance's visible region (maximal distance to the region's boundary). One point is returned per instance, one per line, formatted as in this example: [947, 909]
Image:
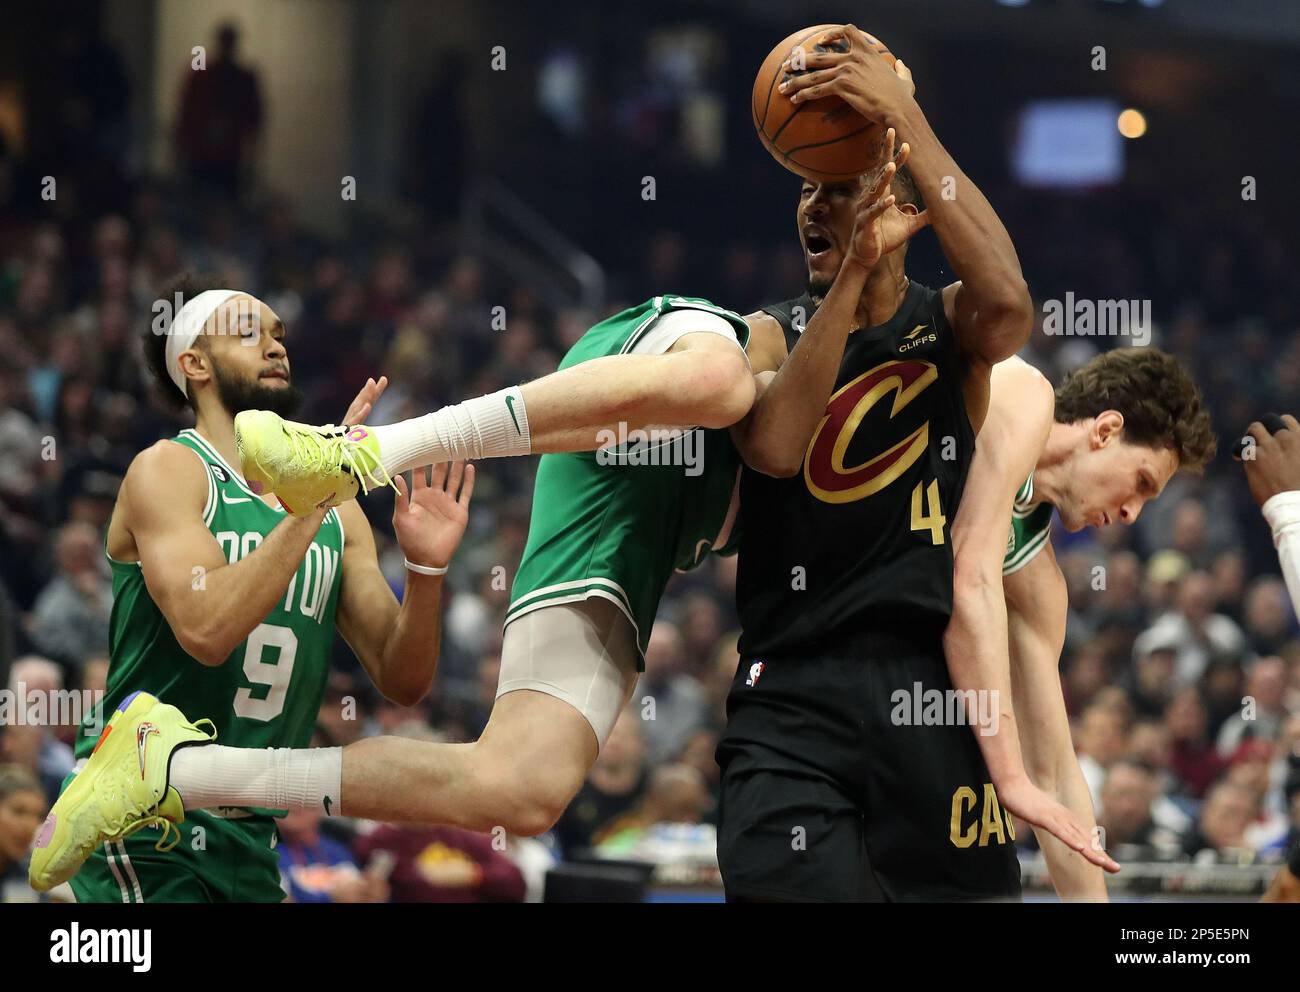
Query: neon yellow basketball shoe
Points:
[122, 789]
[306, 467]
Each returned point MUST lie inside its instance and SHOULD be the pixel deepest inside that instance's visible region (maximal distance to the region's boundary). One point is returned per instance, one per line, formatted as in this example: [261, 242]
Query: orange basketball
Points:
[823, 140]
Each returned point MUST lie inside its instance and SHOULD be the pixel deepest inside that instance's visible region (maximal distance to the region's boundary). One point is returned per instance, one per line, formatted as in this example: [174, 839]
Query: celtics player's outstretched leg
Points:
[670, 362]
[520, 775]
[567, 671]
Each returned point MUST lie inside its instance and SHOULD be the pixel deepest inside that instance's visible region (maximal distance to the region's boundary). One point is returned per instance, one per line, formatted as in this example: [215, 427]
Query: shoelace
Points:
[169, 828]
[157, 819]
[319, 452]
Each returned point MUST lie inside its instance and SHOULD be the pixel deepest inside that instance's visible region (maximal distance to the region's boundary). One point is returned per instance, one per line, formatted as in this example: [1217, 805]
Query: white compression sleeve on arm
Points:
[1283, 515]
[491, 426]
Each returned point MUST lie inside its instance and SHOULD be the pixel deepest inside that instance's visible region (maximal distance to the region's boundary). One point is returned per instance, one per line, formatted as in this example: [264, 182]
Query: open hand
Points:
[1037, 808]
[365, 401]
[430, 519]
[880, 226]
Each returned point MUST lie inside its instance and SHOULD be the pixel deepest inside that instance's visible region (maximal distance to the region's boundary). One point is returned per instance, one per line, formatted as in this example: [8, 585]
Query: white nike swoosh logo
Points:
[237, 499]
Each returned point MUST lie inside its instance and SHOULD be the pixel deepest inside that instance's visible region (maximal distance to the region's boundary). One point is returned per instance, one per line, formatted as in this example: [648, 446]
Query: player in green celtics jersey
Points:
[611, 521]
[1095, 450]
[226, 607]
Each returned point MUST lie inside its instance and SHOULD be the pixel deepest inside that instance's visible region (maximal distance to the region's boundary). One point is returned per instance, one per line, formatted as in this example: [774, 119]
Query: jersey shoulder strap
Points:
[793, 316]
[190, 439]
[1031, 526]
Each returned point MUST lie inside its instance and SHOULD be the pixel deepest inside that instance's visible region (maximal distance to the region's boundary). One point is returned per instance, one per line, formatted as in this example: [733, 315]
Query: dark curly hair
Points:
[1161, 406]
[154, 342]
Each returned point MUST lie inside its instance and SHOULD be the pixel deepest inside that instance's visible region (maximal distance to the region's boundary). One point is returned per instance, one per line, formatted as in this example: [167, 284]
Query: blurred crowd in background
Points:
[1173, 623]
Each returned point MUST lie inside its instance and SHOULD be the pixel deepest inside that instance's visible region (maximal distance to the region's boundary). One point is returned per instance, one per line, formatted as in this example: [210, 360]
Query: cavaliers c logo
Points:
[823, 467]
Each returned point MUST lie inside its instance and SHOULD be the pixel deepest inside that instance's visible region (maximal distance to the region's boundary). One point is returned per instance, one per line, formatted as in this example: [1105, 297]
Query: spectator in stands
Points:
[675, 702]
[1267, 616]
[613, 787]
[20, 442]
[1101, 741]
[1188, 536]
[343, 711]
[1165, 571]
[1221, 827]
[1222, 685]
[442, 864]
[698, 754]
[70, 618]
[318, 868]
[1086, 672]
[220, 118]
[1195, 764]
[33, 742]
[1197, 632]
[1229, 573]
[1260, 714]
[1120, 602]
[22, 809]
[677, 795]
[534, 857]
[1152, 682]
[1151, 747]
[700, 623]
[1131, 831]
[1249, 768]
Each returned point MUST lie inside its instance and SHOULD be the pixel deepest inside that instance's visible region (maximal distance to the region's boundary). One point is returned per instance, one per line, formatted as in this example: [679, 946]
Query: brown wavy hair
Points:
[1161, 406]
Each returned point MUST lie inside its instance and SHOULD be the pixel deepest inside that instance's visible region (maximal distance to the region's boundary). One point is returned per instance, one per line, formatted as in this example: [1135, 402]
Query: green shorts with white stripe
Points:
[217, 860]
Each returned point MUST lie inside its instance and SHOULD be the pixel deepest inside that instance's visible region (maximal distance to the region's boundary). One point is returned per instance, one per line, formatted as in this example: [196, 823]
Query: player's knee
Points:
[537, 809]
[527, 802]
[721, 378]
[534, 818]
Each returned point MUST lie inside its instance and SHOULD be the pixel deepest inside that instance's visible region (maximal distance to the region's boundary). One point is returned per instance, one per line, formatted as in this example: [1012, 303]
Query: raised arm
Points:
[774, 435]
[399, 646]
[990, 309]
[1036, 609]
[210, 604]
[977, 641]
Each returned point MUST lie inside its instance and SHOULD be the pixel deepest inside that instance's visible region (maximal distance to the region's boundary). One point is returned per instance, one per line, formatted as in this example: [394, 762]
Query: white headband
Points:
[188, 325]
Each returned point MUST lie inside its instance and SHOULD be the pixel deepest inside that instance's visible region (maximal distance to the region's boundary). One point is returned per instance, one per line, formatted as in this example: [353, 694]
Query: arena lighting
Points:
[1131, 123]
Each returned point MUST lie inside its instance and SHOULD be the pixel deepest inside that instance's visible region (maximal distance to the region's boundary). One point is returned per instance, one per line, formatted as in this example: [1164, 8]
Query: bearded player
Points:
[225, 605]
[1096, 450]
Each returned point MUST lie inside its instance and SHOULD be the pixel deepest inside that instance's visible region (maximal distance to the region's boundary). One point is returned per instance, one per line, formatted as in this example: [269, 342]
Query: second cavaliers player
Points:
[845, 572]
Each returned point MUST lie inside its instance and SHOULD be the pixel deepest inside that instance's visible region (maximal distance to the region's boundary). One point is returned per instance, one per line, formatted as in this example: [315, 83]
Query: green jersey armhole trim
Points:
[641, 328]
[1028, 553]
[238, 479]
[209, 508]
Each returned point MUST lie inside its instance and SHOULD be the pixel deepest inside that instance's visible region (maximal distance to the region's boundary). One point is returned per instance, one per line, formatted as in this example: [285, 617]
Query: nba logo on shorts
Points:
[755, 670]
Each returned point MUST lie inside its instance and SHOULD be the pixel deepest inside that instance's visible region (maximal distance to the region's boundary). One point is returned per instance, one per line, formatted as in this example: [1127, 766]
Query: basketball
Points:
[823, 140]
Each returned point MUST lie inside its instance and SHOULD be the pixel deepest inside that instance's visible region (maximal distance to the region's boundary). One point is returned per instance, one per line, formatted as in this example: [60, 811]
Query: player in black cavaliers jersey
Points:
[838, 783]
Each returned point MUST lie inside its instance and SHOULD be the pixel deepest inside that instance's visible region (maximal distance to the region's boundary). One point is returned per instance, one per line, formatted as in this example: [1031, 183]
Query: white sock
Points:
[491, 426]
[275, 778]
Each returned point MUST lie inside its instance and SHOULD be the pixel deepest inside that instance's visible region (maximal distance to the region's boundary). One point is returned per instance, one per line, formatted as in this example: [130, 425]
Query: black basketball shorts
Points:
[839, 785]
